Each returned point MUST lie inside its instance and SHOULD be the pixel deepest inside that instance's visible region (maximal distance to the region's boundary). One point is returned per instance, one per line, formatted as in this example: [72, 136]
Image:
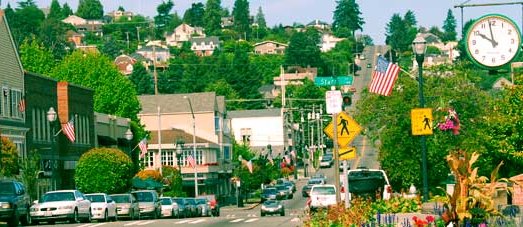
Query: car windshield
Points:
[121, 198]
[270, 203]
[201, 201]
[144, 196]
[179, 201]
[281, 187]
[58, 196]
[7, 188]
[166, 201]
[269, 191]
[314, 181]
[96, 198]
[327, 157]
[323, 191]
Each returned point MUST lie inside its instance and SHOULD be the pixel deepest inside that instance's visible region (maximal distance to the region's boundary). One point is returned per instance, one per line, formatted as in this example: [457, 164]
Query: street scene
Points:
[259, 113]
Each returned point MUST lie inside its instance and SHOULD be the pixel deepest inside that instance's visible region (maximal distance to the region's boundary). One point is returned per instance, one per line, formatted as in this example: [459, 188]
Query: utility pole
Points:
[138, 34]
[127, 34]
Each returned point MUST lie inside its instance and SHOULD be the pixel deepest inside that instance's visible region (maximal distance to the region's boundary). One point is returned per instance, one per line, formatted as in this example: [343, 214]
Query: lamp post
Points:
[239, 201]
[419, 46]
[129, 136]
[179, 151]
[51, 117]
[193, 146]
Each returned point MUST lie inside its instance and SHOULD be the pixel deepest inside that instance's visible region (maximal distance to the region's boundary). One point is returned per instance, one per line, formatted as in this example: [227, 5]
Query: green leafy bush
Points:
[107, 170]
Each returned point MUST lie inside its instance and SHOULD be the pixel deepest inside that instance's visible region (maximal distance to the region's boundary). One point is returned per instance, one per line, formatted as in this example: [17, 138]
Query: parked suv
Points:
[14, 203]
[149, 203]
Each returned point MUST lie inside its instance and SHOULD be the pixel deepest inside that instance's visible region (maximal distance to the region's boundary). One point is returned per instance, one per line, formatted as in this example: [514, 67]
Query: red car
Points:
[213, 203]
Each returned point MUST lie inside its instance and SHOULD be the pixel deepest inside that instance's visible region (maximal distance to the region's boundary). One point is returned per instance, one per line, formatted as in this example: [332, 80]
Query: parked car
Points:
[320, 176]
[203, 206]
[169, 207]
[192, 206]
[272, 207]
[68, 205]
[14, 203]
[126, 206]
[322, 196]
[289, 184]
[213, 203]
[102, 207]
[326, 161]
[269, 194]
[149, 203]
[183, 211]
[283, 192]
[367, 182]
[315, 181]
[306, 190]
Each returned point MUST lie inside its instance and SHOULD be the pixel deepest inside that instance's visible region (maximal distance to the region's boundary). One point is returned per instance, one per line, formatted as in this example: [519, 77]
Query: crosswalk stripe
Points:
[197, 221]
[237, 220]
[84, 225]
[251, 220]
[183, 221]
[146, 223]
[99, 224]
[132, 223]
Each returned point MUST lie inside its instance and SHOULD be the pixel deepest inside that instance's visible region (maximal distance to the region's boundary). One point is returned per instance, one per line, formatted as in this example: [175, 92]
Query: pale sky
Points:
[376, 13]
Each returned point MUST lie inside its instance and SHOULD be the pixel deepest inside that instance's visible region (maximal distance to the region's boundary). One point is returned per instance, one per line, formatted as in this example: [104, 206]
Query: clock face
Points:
[493, 41]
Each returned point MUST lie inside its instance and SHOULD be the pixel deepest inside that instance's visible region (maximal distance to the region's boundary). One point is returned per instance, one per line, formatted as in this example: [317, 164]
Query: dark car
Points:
[272, 207]
[306, 190]
[192, 206]
[269, 194]
[14, 203]
[283, 192]
[183, 211]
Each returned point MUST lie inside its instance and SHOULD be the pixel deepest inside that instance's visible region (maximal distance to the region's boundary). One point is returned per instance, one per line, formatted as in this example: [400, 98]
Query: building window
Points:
[217, 127]
[16, 97]
[226, 152]
[168, 157]
[5, 101]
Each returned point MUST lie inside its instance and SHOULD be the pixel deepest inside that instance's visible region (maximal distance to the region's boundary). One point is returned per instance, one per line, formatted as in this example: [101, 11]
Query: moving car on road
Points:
[306, 190]
[272, 207]
[183, 210]
[326, 161]
[68, 205]
[126, 206]
[203, 206]
[322, 196]
[14, 203]
[283, 192]
[102, 206]
[269, 194]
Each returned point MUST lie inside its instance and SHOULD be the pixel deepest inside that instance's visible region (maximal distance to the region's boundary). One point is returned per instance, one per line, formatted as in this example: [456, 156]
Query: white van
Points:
[322, 196]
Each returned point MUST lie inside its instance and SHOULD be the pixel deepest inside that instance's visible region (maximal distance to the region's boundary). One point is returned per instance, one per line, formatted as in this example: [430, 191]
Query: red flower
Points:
[430, 218]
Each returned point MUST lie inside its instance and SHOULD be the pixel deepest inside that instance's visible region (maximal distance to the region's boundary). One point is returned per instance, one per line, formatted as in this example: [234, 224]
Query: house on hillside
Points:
[328, 41]
[117, 14]
[183, 33]
[295, 76]
[318, 24]
[125, 63]
[204, 46]
[174, 136]
[270, 47]
[227, 22]
[83, 25]
[155, 54]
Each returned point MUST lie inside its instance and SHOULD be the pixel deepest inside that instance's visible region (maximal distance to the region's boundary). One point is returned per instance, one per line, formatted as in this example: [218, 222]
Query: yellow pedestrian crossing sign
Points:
[421, 121]
[347, 153]
[346, 128]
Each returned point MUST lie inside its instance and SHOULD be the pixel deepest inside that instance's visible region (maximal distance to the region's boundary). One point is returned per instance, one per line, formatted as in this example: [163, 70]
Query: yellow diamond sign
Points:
[346, 129]
[347, 153]
[421, 121]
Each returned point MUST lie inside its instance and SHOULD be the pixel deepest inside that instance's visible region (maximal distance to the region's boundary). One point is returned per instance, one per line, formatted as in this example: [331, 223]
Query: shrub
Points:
[106, 170]
[150, 173]
[8, 158]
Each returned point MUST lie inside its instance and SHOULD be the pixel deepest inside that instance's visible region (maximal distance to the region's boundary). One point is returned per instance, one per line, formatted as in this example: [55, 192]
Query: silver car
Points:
[169, 207]
[272, 207]
[204, 206]
[70, 205]
[126, 206]
[149, 203]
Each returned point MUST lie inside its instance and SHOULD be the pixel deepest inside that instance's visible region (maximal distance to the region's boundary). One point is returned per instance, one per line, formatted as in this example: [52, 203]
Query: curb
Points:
[240, 208]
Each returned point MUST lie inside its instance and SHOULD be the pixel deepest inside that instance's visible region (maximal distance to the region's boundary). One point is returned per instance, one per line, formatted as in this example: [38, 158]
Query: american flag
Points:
[384, 76]
[143, 147]
[21, 105]
[191, 161]
[68, 129]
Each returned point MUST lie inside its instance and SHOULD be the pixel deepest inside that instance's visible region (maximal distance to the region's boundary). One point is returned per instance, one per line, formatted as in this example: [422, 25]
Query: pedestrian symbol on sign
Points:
[344, 125]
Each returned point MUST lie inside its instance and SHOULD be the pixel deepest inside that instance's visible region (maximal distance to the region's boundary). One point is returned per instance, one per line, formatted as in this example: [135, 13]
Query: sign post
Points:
[334, 100]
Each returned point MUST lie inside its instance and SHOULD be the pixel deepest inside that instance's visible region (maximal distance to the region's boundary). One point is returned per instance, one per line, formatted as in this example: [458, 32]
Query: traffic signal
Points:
[347, 101]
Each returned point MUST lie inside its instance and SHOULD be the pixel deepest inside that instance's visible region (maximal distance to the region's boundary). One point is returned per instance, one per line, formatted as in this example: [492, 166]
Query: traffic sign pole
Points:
[336, 156]
[346, 183]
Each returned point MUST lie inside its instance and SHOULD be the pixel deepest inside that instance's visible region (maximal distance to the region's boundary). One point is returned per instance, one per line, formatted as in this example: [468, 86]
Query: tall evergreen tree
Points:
[401, 31]
[241, 16]
[66, 10]
[163, 18]
[25, 21]
[90, 9]
[55, 11]
[142, 80]
[303, 49]
[449, 28]
[410, 18]
[347, 18]
[260, 19]
[194, 15]
[212, 17]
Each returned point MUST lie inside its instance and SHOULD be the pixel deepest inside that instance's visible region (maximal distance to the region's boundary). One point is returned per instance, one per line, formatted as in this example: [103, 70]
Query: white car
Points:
[102, 207]
[169, 207]
[326, 161]
[322, 196]
[60, 205]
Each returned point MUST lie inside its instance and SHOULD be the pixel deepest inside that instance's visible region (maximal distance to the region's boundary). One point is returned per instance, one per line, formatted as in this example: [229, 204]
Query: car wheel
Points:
[88, 219]
[131, 214]
[282, 213]
[291, 196]
[115, 216]
[263, 214]
[14, 220]
[74, 219]
[155, 215]
[26, 220]
[106, 216]
[34, 222]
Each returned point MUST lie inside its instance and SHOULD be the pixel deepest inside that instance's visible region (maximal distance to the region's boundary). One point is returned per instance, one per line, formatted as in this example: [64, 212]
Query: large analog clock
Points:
[493, 41]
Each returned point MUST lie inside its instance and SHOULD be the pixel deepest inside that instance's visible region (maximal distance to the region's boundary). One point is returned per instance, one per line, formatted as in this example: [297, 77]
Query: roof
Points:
[209, 39]
[317, 22]
[170, 136]
[150, 49]
[270, 41]
[11, 64]
[254, 113]
[175, 103]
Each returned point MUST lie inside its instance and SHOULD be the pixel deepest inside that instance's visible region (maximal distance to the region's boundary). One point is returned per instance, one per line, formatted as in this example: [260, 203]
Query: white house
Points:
[328, 41]
[260, 128]
[204, 46]
[183, 33]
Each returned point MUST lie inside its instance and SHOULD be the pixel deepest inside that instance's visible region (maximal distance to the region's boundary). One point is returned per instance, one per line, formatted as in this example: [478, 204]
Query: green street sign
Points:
[333, 81]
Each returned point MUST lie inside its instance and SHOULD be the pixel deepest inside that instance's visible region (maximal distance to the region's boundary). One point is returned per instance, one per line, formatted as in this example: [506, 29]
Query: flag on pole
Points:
[68, 129]
[383, 77]
[21, 104]
[143, 147]
[249, 166]
[270, 160]
[191, 161]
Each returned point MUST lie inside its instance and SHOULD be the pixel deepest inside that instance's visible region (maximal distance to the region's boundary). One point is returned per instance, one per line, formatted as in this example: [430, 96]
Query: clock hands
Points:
[494, 43]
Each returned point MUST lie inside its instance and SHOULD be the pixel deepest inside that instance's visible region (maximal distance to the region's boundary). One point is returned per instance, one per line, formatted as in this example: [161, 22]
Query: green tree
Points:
[173, 179]
[106, 170]
[400, 32]
[163, 19]
[436, 31]
[212, 17]
[53, 33]
[98, 72]
[194, 15]
[35, 57]
[261, 24]
[66, 10]
[55, 11]
[449, 28]
[303, 49]
[25, 21]
[347, 18]
[30, 167]
[221, 87]
[90, 9]
[9, 165]
[241, 16]
[142, 80]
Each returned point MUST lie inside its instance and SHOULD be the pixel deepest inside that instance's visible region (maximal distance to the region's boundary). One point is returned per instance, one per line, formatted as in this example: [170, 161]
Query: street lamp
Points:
[51, 117]
[179, 151]
[129, 136]
[194, 147]
[419, 46]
